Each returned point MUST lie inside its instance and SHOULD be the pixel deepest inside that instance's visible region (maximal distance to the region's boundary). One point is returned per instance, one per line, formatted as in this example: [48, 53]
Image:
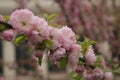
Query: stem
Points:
[7, 25]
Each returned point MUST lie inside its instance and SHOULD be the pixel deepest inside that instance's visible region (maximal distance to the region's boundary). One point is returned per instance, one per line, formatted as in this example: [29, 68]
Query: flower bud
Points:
[108, 76]
[8, 35]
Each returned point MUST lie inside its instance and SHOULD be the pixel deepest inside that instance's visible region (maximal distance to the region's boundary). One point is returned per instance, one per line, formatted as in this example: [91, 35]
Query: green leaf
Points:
[63, 62]
[85, 44]
[40, 60]
[117, 71]
[48, 18]
[76, 76]
[52, 16]
[19, 39]
[42, 46]
[48, 43]
[92, 42]
[82, 61]
[116, 65]
[53, 24]
[72, 73]
[7, 18]
[98, 60]
[45, 16]
[2, 28]
[77, 37]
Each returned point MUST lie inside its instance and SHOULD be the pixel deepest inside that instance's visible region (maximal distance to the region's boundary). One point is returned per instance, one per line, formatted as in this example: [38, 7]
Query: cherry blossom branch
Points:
[63, 48]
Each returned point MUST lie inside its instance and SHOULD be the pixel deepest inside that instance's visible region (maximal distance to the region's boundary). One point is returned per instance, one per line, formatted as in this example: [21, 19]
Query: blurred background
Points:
[98, 20]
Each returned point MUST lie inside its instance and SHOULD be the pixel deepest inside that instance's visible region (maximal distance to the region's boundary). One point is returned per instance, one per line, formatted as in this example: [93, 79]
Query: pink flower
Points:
[103, 63]
[76, 50]
[22, 21]
[98, 73]
[74, 56]
[108, 76]
[34, 37]
[33, 61]
[64, 37]
[79, 69]
[42, 27]
[57, 55]
[67, 37]
[38, 53]
[90, 56]
[60, 52]
[2, 78]
[55, 37]
[8, 35]
[87, 76]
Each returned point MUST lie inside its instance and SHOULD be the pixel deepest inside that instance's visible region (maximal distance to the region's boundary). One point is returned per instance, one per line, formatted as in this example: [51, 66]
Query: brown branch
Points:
[9, 26]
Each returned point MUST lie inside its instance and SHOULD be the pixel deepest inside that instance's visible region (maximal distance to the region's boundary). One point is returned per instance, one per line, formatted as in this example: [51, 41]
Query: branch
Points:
[9, 26]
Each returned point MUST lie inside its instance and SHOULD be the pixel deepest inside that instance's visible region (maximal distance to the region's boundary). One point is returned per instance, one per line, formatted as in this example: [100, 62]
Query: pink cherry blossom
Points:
[34, 61]
[74, 56]
[34, 37]
[55, 37]
[108, 76]
[76, 50]
[98, 73]
[67, 37]
[79, 69]
[87, 76]
[57, 55]
[41, 27]
[2, 78]
[64, 43]
[8, 35]
[22, 21]
[60, 52]
[103, 63]
[90, 56]
[38, 53]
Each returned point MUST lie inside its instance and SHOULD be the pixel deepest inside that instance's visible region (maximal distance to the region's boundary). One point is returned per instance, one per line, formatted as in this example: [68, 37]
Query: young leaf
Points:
[117, 71]
[92, 42]
[98, 60]
[76, 76]
[48, 43]
[63, 62]
[42, 46]
[48, 18]
[82, 61]
[52, 16]
[85, 44]
[40, 60]
[45, 16]
[19, 39]
[2, 28]
[7, 18]
[77, 37]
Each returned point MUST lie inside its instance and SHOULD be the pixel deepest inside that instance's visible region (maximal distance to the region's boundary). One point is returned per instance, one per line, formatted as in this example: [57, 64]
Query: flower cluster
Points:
[60, 44]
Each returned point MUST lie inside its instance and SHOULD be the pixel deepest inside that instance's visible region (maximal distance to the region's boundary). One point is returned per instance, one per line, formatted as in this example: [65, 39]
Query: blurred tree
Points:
[92, 19]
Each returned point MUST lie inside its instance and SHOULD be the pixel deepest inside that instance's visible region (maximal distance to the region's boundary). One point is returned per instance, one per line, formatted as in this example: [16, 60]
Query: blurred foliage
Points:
[94, 20]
